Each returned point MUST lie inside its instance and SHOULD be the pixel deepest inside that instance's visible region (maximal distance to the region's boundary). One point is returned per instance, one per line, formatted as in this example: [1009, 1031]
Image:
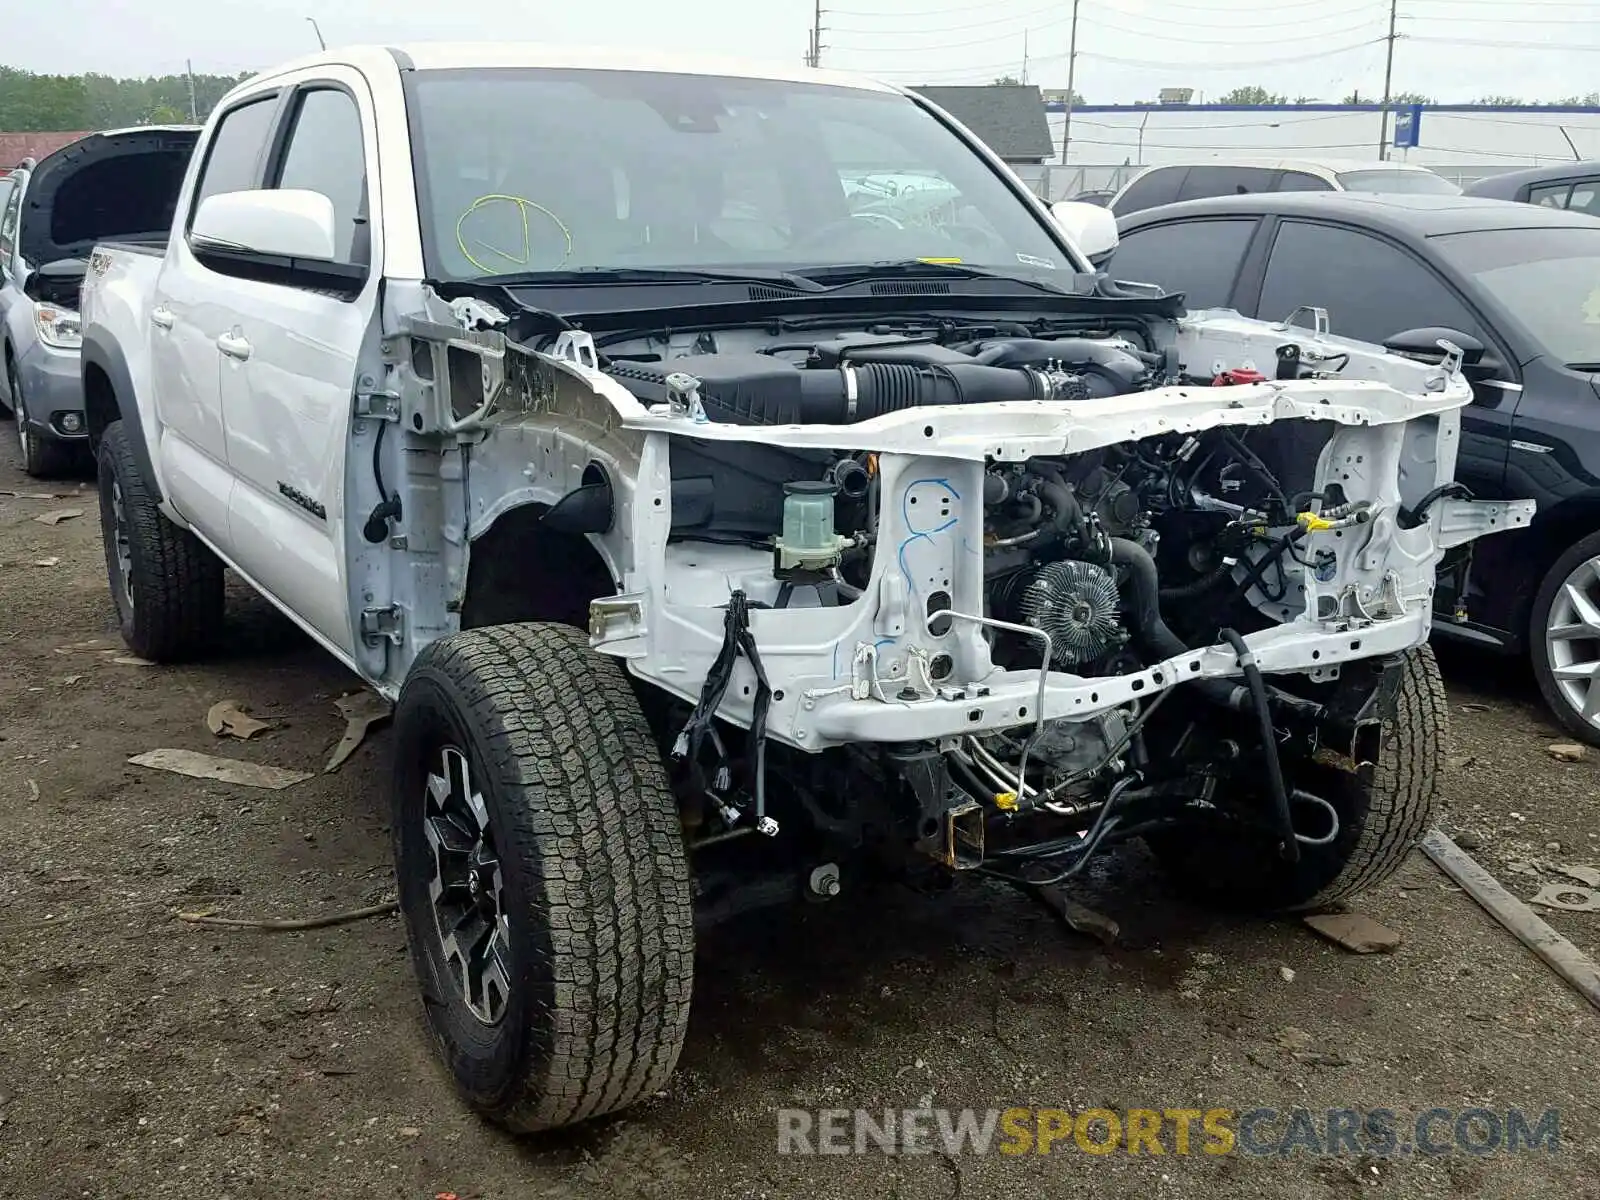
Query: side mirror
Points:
[1092, 229]
[1423, 345]
[280, 222]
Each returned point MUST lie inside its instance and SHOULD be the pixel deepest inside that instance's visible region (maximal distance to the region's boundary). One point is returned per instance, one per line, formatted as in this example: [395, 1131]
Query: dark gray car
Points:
[1517, 286]
[1574, 186]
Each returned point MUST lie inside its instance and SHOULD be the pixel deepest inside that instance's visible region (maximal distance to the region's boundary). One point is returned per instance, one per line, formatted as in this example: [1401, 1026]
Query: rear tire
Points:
[542, 876]
[1385, 806]
[166, 584]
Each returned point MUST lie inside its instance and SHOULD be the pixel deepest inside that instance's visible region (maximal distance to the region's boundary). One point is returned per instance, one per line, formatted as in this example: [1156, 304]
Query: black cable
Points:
[388, 508]
[1410, 518]
[1290, 847]
[736, 640]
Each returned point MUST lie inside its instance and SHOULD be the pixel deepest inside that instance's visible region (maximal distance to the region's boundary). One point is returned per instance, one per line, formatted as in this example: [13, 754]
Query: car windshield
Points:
[1546, 279]
[566, 170]
[1410, 183]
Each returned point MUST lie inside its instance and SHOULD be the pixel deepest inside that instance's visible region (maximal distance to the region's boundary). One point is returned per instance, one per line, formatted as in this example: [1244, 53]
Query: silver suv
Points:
[117, 185]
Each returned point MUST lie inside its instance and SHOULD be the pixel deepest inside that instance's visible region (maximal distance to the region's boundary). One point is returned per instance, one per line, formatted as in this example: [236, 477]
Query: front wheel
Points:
[1385, 803]
[42, 457]
[542, 876]
[1564, 639]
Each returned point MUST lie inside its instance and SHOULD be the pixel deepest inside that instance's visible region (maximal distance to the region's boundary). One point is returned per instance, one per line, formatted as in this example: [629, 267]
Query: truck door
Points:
[289, 362]
[190, 311]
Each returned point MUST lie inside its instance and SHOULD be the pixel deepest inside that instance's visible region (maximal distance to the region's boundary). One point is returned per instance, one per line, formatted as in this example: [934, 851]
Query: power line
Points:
[1499, 44]
[900, 29]
[922, 48]
[1241, 66]
[1233, 41]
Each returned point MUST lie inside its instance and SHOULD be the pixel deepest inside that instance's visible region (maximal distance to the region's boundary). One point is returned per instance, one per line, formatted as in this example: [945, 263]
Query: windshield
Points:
[1410, 183]
[1547, 279]
[564, 170]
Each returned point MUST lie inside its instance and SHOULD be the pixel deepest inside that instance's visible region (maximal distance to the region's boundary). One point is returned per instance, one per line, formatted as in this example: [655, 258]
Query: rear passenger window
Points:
[1585, 197]
[1303, 181]
[1551, 195]
[1204, 182]
[233, 160]
[325, 155]
[1201, 259]
[1158, 185]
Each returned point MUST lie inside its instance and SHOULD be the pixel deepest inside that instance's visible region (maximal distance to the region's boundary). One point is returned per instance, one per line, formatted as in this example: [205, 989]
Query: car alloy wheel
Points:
[467, 888]
[121, 544]
[1572, 640]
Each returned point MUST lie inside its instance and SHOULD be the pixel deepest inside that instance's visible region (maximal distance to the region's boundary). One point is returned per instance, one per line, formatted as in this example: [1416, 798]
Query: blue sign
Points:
[1408, 127]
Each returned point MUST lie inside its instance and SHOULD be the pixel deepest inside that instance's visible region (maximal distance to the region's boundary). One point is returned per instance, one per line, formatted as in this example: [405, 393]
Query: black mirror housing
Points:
[1423, 344]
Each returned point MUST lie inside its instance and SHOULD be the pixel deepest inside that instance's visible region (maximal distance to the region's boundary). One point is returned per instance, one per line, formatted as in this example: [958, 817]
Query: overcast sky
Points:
[1127, 48]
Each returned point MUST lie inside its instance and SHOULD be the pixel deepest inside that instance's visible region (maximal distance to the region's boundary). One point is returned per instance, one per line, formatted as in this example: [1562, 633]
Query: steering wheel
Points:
[842, 226]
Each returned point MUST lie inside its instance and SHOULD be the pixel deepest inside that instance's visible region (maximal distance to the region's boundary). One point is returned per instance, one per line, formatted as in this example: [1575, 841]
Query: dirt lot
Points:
[139, 1053]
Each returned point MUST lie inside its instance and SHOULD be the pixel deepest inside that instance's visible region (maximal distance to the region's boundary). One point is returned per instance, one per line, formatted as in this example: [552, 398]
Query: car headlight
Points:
[58, 327]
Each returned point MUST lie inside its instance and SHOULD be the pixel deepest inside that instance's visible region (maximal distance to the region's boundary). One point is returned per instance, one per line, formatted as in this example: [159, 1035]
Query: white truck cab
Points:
[718, 534]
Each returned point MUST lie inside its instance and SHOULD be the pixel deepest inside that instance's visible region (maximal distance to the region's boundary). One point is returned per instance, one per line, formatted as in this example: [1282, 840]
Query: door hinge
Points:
[378, 405]
[379, 623]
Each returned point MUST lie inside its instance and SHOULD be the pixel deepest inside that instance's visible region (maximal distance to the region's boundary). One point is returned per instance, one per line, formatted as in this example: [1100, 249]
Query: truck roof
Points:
[435, 56]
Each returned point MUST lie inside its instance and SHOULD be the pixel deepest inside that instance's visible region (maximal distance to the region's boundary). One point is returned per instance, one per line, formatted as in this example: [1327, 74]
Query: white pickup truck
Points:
[722, 540]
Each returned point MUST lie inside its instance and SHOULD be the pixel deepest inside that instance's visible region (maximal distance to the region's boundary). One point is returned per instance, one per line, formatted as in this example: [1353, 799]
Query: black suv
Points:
[1515, 285]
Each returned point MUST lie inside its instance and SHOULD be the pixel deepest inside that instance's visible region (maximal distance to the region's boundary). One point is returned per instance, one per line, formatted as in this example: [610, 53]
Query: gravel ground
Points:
[138, 1052]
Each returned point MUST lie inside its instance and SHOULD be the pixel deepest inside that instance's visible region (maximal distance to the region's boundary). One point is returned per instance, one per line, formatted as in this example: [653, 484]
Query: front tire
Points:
[1385, 806]
[42, 458]
[542, 876]
[167, 585]
[1564, 639]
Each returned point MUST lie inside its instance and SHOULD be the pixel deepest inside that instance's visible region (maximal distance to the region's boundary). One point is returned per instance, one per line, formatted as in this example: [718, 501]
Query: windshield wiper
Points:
[606, 275]
[845, 274]
[1583, 366]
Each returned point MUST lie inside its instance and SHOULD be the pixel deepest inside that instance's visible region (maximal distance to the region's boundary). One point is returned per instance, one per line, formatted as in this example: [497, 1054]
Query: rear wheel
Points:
[542, 876]
[167, 585]
[1385, 803]
[1564, 639]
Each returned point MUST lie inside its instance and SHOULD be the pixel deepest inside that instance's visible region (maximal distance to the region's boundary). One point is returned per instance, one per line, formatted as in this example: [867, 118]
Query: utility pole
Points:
[1388, 79]
[194, 109]
[816, 36]
[1024, 56]
[1072, 67]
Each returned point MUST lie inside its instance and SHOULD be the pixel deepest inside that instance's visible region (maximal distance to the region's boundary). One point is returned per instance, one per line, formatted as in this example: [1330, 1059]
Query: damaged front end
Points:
[983, 587]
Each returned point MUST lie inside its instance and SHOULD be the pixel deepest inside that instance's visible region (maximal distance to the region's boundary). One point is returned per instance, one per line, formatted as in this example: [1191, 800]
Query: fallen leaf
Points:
[1356, 933]
[361, 711]
[132, 660]
[1293, 1039]
[56, 516]
[411, 1131]
[227, 718]
[1567, 751]
[1588, 875]
[225, 770]
[33, 789]
[1477, 708]
[1287, 974]
[47, 562]
[34, 495]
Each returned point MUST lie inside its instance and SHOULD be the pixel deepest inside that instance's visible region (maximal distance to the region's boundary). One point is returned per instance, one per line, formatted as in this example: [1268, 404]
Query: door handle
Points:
[234, 346]
[161, 317]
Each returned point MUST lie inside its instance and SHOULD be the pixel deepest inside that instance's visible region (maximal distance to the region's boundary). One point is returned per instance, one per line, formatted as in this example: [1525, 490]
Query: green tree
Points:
[1007, 81]
[1251, 94]
[48, 103]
